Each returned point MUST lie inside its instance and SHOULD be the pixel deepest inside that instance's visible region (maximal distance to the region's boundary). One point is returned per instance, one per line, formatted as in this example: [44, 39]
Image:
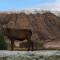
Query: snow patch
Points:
[31, 11]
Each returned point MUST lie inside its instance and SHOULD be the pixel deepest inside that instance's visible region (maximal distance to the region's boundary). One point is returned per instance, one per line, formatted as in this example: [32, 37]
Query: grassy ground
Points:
[32, 55]
[32, 58]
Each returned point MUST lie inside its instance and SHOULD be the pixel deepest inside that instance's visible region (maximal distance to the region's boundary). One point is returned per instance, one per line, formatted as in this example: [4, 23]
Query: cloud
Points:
[57, 0]
[57, 4]
[50, 6]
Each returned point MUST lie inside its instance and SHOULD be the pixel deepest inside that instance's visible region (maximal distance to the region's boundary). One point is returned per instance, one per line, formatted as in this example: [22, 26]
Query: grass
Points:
[31, 58]
[42, 55]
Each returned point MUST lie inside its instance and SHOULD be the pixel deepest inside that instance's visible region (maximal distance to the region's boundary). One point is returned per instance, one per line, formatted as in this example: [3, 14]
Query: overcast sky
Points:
[27, 4]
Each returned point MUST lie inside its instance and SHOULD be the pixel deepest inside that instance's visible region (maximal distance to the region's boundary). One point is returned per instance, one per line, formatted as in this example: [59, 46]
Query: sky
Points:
[28, 4]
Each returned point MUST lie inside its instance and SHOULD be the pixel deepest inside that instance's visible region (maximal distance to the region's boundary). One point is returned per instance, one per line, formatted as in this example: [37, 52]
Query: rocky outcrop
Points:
[45, 27]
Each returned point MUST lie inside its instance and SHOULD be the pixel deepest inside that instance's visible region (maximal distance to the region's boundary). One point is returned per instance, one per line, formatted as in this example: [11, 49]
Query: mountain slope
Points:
[45, 26]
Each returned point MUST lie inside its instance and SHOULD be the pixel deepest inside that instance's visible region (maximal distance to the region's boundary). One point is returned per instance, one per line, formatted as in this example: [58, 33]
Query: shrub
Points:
[3, 45]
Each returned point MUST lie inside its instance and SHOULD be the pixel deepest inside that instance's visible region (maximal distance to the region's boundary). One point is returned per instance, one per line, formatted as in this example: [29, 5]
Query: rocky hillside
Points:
[45, 26]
